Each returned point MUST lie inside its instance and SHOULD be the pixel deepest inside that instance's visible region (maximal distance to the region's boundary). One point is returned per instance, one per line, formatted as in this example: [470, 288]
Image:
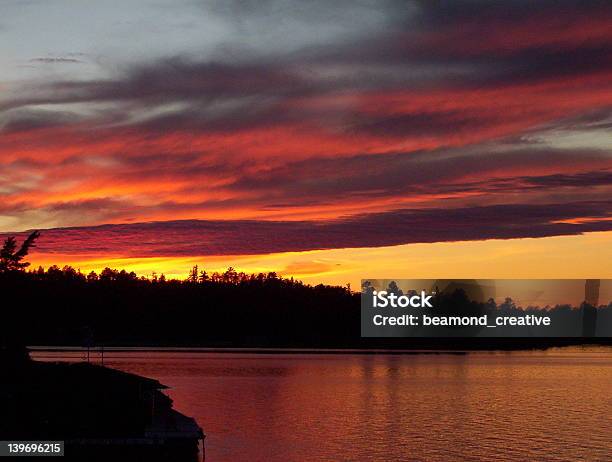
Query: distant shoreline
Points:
[332, 351]
[320, 351]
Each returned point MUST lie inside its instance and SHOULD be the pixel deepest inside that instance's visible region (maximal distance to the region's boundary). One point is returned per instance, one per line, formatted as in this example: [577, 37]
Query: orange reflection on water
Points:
[544, 405]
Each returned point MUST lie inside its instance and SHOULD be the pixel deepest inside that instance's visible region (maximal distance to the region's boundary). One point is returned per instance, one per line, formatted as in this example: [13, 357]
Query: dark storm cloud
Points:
[430, 34]
[541, 64]
[180, 79]
[422, 45]
[26, 120]
[171, 80]
[436, 122]
[442, 12]
[200, 118]
[429, 172]
[243, 237]
[580, 180]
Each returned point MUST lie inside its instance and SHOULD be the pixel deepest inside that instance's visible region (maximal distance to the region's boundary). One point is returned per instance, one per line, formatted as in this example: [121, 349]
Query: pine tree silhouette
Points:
[11, 259]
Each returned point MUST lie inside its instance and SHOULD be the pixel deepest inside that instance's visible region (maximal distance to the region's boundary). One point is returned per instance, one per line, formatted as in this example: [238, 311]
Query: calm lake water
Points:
[553, 405]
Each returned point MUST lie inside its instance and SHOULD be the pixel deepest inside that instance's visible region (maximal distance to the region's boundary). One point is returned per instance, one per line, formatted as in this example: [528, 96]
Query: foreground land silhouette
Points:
[99, 413]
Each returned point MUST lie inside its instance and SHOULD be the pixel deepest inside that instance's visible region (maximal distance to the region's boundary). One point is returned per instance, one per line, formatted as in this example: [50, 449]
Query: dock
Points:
[100, 413]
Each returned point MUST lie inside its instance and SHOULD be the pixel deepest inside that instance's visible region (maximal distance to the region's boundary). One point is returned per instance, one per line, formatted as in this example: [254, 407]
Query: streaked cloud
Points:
[405, 226]
[308, 120]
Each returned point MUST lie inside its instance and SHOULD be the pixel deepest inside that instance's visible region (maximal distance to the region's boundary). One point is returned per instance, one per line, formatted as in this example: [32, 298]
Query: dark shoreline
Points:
[296, 351]
[98, 413]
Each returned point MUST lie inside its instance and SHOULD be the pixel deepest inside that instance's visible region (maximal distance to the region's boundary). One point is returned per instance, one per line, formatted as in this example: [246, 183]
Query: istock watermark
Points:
[383, 299]
[486, 308]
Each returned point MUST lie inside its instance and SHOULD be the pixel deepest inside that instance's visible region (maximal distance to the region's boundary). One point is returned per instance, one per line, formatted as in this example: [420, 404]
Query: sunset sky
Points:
[328, 140]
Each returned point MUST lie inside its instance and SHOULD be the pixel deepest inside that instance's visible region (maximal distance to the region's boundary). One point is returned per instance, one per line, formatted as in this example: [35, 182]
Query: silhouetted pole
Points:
[589, 307]
[591, 292]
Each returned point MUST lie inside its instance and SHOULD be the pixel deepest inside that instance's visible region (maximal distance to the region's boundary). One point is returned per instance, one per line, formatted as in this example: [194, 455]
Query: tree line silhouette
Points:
[62, 306]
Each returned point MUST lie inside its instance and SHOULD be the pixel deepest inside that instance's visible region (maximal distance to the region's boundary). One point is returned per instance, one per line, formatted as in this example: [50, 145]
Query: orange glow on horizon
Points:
[550, 257]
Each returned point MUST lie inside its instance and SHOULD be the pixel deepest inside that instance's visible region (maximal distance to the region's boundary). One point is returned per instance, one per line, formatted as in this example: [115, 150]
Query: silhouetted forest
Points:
[63, 306]
[231, 309]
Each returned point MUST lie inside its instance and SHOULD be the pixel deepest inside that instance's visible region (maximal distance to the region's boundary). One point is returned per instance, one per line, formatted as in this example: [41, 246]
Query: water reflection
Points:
[484, 406]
